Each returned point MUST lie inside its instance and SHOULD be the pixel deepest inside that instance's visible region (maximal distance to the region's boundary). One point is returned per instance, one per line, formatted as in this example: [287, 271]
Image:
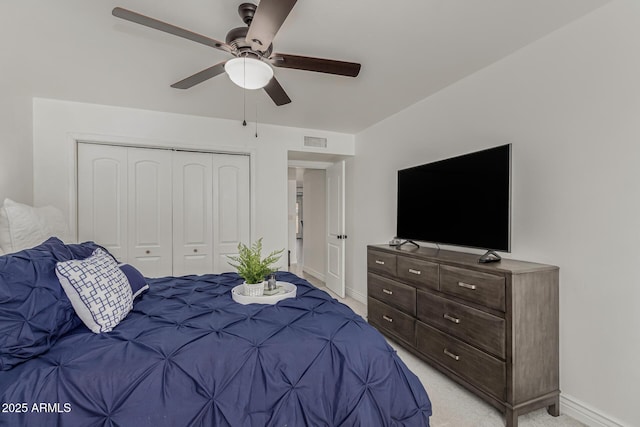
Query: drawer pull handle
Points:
[387, 291]
[379, 262]
[418, 272]
[387, 318]
[451, 318]
[467, 286]
[451, 355]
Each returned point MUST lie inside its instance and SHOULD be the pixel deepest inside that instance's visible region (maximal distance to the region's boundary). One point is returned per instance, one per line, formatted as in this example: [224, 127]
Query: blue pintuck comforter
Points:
[188, 355]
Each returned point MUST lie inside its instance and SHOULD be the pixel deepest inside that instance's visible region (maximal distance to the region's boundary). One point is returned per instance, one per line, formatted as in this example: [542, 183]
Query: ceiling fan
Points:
[252, 48]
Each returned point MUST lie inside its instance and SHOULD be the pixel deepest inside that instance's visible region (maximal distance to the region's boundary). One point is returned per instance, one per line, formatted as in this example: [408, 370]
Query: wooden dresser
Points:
[491, 327]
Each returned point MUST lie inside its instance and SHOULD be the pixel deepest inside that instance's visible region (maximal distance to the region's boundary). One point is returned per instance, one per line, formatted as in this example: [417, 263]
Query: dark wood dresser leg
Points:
[554, 409]
[511, 418]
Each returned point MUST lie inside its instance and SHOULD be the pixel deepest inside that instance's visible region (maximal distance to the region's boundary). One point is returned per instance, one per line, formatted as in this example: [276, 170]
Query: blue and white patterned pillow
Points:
[98, 290]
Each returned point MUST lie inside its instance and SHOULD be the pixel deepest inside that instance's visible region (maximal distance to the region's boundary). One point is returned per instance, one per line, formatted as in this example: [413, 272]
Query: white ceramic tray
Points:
[288, 291]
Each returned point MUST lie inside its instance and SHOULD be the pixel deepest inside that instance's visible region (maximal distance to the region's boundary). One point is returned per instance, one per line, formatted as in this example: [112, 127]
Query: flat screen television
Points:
[461, 201]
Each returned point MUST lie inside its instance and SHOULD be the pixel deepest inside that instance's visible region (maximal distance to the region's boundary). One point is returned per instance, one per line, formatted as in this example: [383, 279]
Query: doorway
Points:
[322, 255]
[307, 223]
[299, 215]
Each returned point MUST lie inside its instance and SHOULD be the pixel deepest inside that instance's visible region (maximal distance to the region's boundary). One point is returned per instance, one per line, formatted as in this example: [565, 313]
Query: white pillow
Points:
[98, 290]
[23, 226]
[5, 236]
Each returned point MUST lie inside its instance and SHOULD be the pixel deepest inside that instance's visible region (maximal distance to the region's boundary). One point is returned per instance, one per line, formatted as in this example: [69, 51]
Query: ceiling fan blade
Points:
[329, 66]
[276, 92]
[168, 28]
[200, 77]
[266, 22]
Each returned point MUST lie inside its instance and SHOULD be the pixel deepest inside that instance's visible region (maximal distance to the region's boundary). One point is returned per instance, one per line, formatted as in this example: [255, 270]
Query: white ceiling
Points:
[76, 50]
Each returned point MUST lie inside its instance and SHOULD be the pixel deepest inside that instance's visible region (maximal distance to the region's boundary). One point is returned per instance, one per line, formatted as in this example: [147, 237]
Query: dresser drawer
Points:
[381, 262]
[482, 330]
[387, 318]
[480, 369]
[395, 294]
[481, 288]
[422, 274]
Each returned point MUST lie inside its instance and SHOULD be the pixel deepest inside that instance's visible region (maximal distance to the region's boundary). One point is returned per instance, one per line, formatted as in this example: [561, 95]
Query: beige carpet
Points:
[453, 406]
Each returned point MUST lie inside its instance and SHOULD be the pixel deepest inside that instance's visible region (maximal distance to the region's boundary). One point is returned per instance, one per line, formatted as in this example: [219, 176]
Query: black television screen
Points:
[462, 201]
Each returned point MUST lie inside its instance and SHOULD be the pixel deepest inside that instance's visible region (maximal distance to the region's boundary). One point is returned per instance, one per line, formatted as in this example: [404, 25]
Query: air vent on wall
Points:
[313, 141]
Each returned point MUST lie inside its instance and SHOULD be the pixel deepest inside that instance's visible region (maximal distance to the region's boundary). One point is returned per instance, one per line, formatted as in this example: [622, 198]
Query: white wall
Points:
[57, 124]
[16, 164]
[314, 213]
[570, 105]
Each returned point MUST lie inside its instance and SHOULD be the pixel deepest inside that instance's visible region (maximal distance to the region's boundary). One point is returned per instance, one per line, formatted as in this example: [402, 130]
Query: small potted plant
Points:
[252, 267]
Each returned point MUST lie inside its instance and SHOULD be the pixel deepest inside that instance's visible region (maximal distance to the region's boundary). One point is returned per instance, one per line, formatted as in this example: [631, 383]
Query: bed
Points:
[188, 355]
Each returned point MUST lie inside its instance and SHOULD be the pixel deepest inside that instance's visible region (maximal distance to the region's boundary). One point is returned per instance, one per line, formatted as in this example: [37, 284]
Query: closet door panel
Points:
[192, 213]
[102, 197]
[231, 207]
[150, 211]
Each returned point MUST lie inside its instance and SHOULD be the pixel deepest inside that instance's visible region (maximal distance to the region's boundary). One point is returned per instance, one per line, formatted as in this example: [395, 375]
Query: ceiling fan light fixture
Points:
[249, 73]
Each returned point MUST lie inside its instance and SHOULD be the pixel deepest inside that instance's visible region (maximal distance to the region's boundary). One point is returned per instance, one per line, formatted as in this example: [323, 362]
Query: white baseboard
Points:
[313, 272]
[360, 297]
[582, 412]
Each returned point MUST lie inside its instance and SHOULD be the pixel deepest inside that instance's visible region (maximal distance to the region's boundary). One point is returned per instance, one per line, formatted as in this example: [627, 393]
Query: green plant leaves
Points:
[250, 264]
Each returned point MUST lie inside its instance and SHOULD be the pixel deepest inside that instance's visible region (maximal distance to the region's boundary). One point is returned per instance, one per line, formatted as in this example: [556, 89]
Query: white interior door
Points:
[335, 277]
[102, 197]
[192, 213]
[231, 207]
[150, 211]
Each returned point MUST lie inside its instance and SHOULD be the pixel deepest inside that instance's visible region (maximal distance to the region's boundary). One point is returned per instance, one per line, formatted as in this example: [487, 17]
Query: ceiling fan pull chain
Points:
[244, 114]
[244, 93]
[256, 119]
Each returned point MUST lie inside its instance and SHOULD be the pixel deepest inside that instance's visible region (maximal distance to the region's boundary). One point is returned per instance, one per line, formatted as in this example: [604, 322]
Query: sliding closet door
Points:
[192, 213]
[165, 212]
[102, 197]
[231, 210]
[150, 211]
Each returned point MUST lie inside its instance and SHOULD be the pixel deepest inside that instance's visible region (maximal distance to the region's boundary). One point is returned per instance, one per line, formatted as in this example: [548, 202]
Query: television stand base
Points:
[489, 256]
[408, 241]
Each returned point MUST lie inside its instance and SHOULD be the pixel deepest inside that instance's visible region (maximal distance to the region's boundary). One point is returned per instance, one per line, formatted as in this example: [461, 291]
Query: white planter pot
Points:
[253, 289]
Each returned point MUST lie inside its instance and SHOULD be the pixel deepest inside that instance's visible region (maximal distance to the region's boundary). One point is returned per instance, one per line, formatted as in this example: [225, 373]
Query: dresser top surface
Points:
[464, 259]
